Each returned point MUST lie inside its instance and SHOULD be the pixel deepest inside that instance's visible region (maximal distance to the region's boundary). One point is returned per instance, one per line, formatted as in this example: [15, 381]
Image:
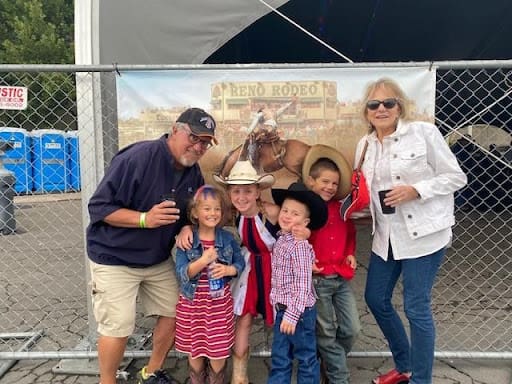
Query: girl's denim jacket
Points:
[228, 251]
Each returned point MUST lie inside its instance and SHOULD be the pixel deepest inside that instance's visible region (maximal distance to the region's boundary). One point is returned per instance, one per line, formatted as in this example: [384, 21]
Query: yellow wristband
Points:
[142, 220]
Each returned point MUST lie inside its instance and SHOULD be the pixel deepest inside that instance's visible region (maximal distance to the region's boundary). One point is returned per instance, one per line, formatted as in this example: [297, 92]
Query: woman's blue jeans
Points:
[301, 346]
[418, 277]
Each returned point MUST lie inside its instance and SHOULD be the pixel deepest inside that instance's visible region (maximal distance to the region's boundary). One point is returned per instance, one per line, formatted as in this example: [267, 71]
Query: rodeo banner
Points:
[297, 105]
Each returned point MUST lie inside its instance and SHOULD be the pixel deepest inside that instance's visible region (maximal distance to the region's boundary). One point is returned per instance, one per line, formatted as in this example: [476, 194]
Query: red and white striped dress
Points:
[205, 326]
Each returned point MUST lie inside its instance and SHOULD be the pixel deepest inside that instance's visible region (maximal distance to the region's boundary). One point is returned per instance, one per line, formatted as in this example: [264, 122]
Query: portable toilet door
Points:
[18, 159]
[73, 161]
[49, 160]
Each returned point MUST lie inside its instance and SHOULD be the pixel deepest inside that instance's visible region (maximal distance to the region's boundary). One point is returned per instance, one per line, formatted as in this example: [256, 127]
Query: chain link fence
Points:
[473, 297]
[44, 301]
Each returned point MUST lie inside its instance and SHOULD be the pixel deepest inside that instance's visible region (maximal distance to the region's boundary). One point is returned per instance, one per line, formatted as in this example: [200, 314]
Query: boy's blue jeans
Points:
[301, 346]
[337, 325]
[418, 277]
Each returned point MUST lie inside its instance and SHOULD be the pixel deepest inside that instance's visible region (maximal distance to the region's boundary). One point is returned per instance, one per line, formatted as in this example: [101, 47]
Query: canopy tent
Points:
[235, 31]
[377, 31]
[159, 31]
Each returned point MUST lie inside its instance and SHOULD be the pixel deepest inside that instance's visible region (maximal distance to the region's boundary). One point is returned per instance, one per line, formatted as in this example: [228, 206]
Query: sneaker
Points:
[157, 377]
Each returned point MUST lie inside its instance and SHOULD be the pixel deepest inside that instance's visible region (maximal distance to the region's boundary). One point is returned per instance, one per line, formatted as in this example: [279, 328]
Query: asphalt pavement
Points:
[49, 239]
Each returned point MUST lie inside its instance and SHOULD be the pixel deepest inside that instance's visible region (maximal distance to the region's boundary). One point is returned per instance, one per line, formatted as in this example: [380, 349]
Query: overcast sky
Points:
[180, 88]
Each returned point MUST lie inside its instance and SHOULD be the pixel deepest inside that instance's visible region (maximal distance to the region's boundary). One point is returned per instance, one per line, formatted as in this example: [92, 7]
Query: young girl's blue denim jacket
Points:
[228, 251]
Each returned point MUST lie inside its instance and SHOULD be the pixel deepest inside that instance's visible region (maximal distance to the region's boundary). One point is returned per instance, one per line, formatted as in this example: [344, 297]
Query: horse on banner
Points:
[265, 149]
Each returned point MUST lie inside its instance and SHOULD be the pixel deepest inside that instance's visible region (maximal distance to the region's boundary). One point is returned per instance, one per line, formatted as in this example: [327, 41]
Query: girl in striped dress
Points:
[205, 321]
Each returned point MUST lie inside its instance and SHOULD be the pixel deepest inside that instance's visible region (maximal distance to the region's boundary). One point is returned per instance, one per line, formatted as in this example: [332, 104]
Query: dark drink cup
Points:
[171, 196]
[167, 197]
[386, 209]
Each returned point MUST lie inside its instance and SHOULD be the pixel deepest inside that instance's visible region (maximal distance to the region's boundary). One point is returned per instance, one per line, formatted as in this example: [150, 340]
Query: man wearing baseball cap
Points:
[135, 213]
[200, 123]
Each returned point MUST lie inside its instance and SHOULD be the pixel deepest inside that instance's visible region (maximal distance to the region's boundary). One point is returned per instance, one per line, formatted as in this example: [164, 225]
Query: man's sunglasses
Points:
[373, 105]
[194, 139]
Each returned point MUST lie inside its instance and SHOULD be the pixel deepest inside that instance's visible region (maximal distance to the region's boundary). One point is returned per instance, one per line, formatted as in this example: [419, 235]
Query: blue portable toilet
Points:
[73, 161]
[18, 159]
[49, 160]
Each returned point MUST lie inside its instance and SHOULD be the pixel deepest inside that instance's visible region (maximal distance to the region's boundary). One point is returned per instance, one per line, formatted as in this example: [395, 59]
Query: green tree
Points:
[39, 32]
[36, 32]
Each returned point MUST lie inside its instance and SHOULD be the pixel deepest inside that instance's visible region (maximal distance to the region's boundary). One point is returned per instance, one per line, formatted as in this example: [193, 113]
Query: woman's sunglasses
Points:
[373, 105]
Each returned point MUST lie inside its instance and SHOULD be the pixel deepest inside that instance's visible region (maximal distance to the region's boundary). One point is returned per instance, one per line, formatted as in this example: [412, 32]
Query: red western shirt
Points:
[334, 242]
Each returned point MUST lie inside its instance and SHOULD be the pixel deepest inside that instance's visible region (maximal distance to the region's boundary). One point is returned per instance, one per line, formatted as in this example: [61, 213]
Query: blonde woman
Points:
[410, 165]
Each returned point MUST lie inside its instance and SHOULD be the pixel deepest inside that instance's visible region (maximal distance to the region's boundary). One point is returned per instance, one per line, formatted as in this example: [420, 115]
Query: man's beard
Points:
[186, 161]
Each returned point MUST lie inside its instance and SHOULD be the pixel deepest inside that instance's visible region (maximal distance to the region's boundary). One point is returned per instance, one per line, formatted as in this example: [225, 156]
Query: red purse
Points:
[359, 197]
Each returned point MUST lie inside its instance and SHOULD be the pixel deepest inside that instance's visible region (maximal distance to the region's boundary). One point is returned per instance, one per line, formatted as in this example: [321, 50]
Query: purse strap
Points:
[361, 159]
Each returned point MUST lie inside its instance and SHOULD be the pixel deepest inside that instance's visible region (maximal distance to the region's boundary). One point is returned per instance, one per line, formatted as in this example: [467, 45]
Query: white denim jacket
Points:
[419, 156]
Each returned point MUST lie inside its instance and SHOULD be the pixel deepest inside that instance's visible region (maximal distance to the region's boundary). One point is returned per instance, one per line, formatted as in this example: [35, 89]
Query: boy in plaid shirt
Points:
[292, 291]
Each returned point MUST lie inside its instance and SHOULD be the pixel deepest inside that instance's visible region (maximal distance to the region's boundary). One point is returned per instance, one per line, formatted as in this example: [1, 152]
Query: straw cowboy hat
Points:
[243, 173]
[319, 151]
[316, 205]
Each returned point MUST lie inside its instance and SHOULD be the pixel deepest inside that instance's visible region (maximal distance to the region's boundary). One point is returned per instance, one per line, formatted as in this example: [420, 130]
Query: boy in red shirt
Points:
[334, 244]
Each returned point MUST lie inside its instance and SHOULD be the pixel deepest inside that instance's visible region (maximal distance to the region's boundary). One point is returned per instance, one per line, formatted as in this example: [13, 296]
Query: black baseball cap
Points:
[201, 123]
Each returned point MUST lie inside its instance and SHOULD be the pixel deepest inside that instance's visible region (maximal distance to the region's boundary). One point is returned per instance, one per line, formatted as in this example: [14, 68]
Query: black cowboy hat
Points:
[316, 205]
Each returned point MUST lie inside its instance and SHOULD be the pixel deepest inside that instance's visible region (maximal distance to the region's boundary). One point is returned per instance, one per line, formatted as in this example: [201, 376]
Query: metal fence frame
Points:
[96, 106]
